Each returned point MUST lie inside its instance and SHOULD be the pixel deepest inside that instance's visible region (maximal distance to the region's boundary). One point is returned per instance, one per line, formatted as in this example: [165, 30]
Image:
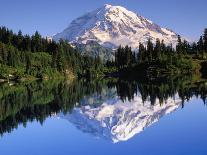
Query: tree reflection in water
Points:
[22, 103]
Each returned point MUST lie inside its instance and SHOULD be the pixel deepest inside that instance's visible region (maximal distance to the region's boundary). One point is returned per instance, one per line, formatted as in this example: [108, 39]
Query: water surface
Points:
[104, 117]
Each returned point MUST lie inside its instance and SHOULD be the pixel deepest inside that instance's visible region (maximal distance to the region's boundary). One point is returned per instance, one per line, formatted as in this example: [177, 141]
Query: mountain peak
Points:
[111, 26]
[107, 5]
[116, 9]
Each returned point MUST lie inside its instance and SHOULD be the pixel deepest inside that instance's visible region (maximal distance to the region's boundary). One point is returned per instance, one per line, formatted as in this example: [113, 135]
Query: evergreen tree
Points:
[28, 63]
[36, 42]
[163, 48]
[205, 40]
[118, 57]
[128, 54]
[179, 46]
[194, 48]
[150, 50]
[141, 54]
[19, 40]
[185, 47]
[26, 43]
[60, 59]
[11, 57]
[157, 49]
[200, 45]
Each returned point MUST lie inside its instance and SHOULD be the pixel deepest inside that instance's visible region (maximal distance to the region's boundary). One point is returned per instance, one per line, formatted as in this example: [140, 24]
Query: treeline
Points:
[162, 56]
[39, 56]
[124, 57]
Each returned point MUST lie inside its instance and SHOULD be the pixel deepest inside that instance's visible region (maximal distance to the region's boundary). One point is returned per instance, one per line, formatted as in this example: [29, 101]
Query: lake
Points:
[167, 115]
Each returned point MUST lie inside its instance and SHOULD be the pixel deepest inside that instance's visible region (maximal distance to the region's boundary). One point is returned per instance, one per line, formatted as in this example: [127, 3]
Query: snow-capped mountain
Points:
[107, 116]
[112, 26]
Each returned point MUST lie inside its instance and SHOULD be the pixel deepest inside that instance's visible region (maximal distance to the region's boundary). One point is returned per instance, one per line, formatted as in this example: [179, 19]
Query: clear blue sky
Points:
[186, 17]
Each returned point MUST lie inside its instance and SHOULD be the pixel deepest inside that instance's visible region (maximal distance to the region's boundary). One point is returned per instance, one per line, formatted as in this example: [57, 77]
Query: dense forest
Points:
[35, 56]
[159, 57]
[31, 57]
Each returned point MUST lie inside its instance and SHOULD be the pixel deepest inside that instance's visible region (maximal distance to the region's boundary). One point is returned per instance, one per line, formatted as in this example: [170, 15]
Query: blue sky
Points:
[186, 17]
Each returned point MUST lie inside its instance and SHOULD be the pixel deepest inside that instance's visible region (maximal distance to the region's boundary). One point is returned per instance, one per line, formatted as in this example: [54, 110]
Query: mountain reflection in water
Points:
[113, 109]
[118, 120]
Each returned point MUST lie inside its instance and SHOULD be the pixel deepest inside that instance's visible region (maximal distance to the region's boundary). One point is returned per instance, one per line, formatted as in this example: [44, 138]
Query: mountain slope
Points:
[93, 49]
[112, 26]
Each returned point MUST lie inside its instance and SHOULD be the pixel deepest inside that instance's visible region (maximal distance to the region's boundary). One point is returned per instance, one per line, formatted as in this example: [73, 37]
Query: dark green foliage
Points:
[27, 102]
[28, 63]
[124, 57]
[200, 45]
[142, 53]
[24, 102]
[179, 46]
[157, 50]
[162, 88]
[159, 57]
[149, 50]
[41, 58]
[205, 40]
[37, 56]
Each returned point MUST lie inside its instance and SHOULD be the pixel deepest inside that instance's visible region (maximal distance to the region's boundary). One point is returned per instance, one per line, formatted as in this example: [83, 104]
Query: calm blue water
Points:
[94, 129]
[182, 132]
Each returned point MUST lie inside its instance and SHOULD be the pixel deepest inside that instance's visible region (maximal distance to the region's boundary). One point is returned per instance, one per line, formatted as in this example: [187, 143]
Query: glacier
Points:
[111, 26]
